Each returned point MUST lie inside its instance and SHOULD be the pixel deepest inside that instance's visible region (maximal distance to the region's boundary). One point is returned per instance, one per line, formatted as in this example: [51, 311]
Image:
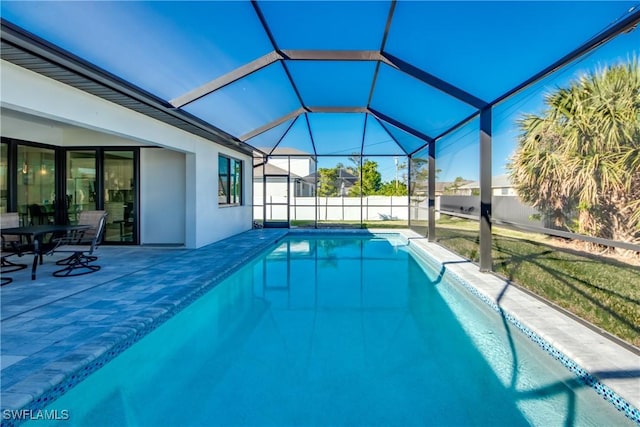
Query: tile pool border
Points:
[98, 351]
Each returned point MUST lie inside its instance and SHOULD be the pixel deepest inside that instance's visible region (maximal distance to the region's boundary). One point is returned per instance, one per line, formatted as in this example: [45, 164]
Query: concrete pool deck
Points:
[56, 331]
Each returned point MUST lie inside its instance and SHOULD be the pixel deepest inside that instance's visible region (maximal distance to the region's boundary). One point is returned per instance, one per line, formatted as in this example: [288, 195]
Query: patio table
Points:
[35, 235]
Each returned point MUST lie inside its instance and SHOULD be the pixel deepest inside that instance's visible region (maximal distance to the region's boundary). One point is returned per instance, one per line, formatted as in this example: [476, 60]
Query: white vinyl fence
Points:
[381, 208]
[371, 208]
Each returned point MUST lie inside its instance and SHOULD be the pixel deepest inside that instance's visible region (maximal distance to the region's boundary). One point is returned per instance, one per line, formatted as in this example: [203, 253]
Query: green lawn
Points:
[600, 290]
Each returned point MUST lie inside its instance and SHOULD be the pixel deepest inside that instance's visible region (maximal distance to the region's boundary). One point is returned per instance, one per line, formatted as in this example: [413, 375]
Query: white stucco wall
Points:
[17, 126]
[217, 222]
[301, 166]
[74, 117]
[162, 196]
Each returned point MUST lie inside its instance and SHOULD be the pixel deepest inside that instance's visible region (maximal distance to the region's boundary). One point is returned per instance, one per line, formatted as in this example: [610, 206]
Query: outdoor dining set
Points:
[77, 241]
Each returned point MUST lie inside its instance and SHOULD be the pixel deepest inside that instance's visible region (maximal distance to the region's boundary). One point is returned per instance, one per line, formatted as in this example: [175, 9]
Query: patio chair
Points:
[81, 245]
[8, 267]
[11, 245]
[4, 280]
[39, 215]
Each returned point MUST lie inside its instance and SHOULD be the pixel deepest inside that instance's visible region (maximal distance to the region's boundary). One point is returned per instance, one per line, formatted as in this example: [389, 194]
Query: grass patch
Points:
[600, 290]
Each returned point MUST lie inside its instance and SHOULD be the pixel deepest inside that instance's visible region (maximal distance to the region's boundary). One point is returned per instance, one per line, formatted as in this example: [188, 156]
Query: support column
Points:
[486, 262]
[409, 183]
[431, 234]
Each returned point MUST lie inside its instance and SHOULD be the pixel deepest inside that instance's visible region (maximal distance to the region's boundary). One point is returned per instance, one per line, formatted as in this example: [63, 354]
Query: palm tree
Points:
[582, 155]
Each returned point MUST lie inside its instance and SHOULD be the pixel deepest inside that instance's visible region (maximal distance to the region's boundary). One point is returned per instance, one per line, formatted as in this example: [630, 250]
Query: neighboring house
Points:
[303, 175]
[500, 186]
[421, 189]
[295, 163]
[456, 188]
[278, 183]
[346, 180]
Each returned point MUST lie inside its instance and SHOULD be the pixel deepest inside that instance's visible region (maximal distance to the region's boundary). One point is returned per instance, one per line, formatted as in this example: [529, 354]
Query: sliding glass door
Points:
[120, 197]
[4, 177]
[52, 185]
[81, 183]
[36, 185]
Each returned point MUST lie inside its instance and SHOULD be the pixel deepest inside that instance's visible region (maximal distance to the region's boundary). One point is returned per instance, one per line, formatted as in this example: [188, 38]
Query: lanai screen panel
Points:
[487, 48]
[337, 134]
[377, 141]
[408, 142]
[333, 83]
[327, 25]
[165, 48]
[458, 187]
[419, 191]
[248, 103]
[267, 140]
[298, 137]
[416, 104]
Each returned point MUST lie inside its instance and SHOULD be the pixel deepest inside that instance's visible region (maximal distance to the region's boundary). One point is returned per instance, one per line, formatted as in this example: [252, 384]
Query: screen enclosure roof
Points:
[324, 77]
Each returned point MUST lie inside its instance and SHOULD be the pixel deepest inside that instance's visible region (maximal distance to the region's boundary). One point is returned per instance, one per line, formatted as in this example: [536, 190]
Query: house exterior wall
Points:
[162, 169]
[28, 94]
[301, 166]
[504, 191]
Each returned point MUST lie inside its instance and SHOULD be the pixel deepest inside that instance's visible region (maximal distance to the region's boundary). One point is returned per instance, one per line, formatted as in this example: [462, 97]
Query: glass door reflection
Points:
[120, 199]
[36, 189]
[81, 183]
[4, 177]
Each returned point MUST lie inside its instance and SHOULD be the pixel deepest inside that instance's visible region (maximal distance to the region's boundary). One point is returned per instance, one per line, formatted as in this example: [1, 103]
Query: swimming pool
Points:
[336, 331]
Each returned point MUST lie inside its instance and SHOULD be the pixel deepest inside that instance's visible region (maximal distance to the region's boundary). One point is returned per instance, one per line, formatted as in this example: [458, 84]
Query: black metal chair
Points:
[11, 245]
[38, 215]
[81, 245]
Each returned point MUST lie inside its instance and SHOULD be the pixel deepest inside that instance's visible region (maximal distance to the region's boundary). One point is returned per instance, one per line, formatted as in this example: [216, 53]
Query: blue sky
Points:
[485, 48]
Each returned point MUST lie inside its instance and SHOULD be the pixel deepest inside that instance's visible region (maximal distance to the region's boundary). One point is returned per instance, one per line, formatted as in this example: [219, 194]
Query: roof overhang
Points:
[33, 53]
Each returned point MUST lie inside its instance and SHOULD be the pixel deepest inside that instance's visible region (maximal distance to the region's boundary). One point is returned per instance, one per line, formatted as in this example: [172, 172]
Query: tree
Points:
[327, 182]
[369, 181]
[393, 188]
[419, 178]
[453, 188]
[582, 155]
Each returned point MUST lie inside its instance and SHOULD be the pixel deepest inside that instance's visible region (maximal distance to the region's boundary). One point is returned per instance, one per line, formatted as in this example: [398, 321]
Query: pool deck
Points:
[56, 331]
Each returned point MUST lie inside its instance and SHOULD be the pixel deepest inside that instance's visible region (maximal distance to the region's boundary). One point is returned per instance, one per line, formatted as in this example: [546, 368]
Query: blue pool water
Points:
[335, 332]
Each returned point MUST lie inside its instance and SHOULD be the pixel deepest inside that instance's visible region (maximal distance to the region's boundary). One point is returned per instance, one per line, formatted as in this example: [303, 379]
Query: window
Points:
[229, 181]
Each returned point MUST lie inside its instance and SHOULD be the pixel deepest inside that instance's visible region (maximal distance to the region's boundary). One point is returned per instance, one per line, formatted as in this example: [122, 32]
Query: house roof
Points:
[328, 78]
[285, 151]
[270, 169]
[498, 181]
